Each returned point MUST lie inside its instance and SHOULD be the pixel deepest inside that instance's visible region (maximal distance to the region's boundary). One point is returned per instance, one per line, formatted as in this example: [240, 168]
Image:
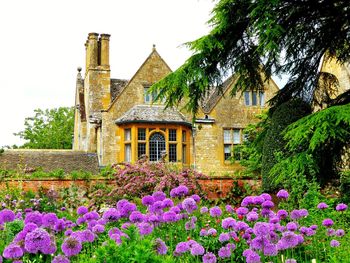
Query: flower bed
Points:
[179, 227]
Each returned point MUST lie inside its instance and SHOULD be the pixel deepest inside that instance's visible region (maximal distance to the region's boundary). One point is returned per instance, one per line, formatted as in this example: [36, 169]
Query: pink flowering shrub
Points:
[144, 178]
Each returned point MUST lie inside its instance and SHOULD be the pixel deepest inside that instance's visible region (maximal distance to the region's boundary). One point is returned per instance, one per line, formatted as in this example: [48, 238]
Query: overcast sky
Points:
[42, 44]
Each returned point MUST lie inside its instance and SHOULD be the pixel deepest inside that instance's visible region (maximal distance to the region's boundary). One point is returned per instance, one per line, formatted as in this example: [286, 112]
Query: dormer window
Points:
[149, 97]
[254, 98]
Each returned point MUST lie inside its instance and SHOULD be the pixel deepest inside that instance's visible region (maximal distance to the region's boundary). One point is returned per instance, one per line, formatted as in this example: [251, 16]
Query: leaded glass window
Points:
[127, 152]
[141, 149]
[172, 135]
[141, 134]
[172, 153]
[156, 146]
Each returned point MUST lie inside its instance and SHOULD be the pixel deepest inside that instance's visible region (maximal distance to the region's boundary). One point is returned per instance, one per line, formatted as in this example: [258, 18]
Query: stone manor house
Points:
[119, 120]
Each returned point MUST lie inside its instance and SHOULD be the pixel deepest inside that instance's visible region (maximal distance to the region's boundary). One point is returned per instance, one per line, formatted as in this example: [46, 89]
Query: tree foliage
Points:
[249, 37]
[274, 143]
[49, 129]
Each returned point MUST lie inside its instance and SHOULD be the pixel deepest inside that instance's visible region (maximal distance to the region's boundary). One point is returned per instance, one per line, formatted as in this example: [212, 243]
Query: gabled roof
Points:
[214, 95]
[153, 114]
[117, 85]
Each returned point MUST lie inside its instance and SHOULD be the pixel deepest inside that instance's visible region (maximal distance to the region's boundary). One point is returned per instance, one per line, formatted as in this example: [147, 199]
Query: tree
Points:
[253, 36]
[49, 129]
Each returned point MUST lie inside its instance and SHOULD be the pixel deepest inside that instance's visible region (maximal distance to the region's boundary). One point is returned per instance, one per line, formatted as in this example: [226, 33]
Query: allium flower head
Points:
[189, 225]
[282, 194]
[270, 250]
[82, 210]
[182, 190]
[167, 202]
[182, 247]
[196, 198]
[33, 217]
[204, 210]
[93, 215]
[248, 200]
[261, 229]
[291, 226]
[224, 237]
[209, 258]
[189, 204]
[111, 215]
[159, 196]
[340, 232]
[228, 222]
[87, 236]
[60, 259]
[49, 219]
[160, 247]
[197, 249]
[251, 256]
[282, 214]
[215, 211]
[341, 207]
[266, 196]
[136, 216]
[242, 211]
[98, 229]
[6, 215]
[322, 206]
[268, 204]
[148, 200]
[36, 240]
[212, 231]
[71, 246]
[328, 222]
[169, 216]
[288, 240]
[12, 251]
[334, 243]
[224, 252]
[145, 228]
[252, 216]
[258, 200]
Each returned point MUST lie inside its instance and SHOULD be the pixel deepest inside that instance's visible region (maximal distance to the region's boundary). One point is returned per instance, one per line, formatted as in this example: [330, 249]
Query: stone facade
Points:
[109, 122]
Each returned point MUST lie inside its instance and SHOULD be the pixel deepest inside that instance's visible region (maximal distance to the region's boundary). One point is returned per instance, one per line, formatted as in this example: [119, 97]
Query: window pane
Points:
[154, 96]
[127, 152]
[156, 146]
[246, 98]
[262, 98]
[172, 153]
[254, 98]
[183, 136]
[236, 136]
[172, 135]
[184, 160]
[141, 134]
[147, 96]
[141, 150]
[127, 135]
[227, 136]
[237, 154]
[227, 151]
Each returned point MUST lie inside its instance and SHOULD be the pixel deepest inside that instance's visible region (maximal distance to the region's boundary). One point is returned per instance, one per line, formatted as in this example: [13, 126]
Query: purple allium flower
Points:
[268, 204]
[50, 248]
[204, 210]
[159, 196]
[258, 200]
[224, 252]
[282, 214]
[251, 256]
[228, 222]
[86, 236]
[12, 251]
[295, 214]
[328, 222]
[282, 194]
[330, 232]
[322, 206]
[63, 208]
[270, 250]
[212, 232]
[182, 190]
[266, 196]
[82, 210]
[248, 200]
[290, 260]
[196, 198]
[261, 229]
[288, 240]
[80, 220]
[274, 220]
[111, 215]
[157, 207]
[252, 216]
[169, 216]
[340, 233]
[197, 249]
[303, 212]
[303, 230]
[314, 227]
[334, 243]
[209, 258]
[215, 211]
[167, 202]
[36, 240]
[60, 259]
[68, 232]
[224, 237]
[49, 220]
[160, 247]
[291, 226]
[33, 217]
[145, 228]
[341, 207]
[203, 232]
[136, 217]
[241, 226]
[189, 204]
[7, 215]
[259, 242]
[182, 247]
[98, 229]
[122, 204]
[189, 225]
[126, 209]
[242, 211]
[148, 200]
[93, 215]
[71, 246]
[29, 227]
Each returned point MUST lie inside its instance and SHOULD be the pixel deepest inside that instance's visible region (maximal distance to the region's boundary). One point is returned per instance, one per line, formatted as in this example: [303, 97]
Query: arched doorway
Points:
[156, 146]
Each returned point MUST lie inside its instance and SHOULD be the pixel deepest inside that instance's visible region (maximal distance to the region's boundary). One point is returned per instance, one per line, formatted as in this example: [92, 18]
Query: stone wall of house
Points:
[49, 160]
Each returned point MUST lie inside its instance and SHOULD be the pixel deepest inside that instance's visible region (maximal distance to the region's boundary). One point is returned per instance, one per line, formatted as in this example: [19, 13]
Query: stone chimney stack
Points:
[92, 51]
[104, 51]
